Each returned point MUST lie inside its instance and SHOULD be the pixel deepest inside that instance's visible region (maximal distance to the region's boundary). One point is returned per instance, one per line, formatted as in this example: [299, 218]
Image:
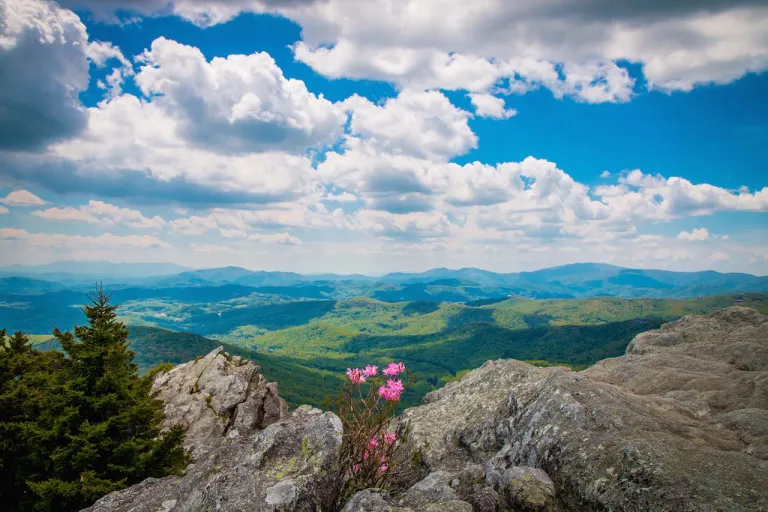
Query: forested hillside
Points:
[307, 345]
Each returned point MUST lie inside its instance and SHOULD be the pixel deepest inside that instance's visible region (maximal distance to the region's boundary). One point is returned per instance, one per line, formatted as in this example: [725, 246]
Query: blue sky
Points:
[331, 135]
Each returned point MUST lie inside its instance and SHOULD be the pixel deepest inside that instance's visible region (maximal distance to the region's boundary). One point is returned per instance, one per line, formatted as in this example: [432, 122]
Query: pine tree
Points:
[96, 428]
[28, 378]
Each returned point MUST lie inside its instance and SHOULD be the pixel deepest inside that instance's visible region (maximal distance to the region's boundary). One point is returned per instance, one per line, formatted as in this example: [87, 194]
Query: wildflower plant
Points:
[372, 454]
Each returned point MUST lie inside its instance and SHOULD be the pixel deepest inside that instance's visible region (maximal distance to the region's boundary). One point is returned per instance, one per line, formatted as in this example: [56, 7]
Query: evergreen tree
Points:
[94, 427]
[28, 378]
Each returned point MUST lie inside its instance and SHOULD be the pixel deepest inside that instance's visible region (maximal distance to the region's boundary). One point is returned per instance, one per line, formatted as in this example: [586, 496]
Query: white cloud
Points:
[275, 238]
[21, 198]
[461, 45]
[103, 214]
[70, 214]
[241, 103]
[132, 146]
[79, 241]
[344, 197]
[487, 105]
[3, 210]
[100, 52]
[719, 257]
[453, 44]
[194, 225]
[418, 123]
[605, 174]
[697, 235]
[44, 55]
[676, 197]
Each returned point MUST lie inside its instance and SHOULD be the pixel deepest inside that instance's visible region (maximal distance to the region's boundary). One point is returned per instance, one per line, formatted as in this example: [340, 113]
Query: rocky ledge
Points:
[679, 423]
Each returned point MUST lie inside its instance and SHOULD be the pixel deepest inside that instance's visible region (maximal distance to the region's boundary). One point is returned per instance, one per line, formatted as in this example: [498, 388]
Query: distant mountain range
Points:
[74, 270]
[439, 284]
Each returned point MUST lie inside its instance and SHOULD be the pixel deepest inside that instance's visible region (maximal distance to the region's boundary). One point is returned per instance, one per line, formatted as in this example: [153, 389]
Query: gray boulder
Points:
[217, 395]
[676, 424]
[369, 500]
[435, 488]
[527, 489]
[289, 466]
[432, 494]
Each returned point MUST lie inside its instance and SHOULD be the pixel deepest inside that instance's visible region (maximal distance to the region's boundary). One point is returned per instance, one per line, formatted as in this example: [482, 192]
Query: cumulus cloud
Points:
[132, 146]
[418, 123]
[241, 103]
[103, 214]
[44, 68]
[719, 257]
[488, 105]
[697, 235]
[569, 47]
[200, 12]
[676, 196]
[605, 174]
[21, 198]
[3, 210]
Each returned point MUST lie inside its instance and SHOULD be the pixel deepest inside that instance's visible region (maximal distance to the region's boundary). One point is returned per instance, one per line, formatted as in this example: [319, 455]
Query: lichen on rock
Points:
[679, 423]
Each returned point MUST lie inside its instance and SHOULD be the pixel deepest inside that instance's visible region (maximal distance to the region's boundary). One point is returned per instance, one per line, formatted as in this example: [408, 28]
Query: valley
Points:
[304, 334]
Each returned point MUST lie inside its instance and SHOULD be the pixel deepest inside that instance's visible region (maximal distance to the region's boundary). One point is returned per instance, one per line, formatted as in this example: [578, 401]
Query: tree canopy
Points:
[79, 424]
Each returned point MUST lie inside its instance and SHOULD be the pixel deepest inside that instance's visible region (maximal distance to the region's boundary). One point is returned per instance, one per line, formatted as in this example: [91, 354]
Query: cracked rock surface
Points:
[288, 466]
[677, 424]
[214, 395]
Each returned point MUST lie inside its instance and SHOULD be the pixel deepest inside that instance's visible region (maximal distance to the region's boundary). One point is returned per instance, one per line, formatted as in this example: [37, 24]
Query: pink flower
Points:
[395, 385]
[392, 390]
[356, 468]
[371, 371]
[355, 375]
[394, 369]
[389, 437]
[373, 443]
[385, 393]
[383, 468]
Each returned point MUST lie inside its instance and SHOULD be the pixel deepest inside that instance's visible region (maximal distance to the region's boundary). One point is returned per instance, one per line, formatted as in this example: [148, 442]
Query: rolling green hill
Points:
[307, 345]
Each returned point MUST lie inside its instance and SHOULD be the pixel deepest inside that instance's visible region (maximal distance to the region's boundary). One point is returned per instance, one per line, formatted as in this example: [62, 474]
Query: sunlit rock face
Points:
[679, 423]
[217, 395]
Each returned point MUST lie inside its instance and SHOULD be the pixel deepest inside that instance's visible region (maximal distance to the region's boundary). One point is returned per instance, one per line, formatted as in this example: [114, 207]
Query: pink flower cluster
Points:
[394, 369]
[356, 375]
[391, 390]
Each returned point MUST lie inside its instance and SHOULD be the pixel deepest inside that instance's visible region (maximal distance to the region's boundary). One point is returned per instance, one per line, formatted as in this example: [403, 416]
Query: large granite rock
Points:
[215, 394]
[678, 423]
[432, 494]
[289, 466]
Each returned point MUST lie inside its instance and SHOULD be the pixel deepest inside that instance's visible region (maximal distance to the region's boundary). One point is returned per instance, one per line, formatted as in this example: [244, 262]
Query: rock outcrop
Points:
[290, 465]
[215, 394]
[678, 423]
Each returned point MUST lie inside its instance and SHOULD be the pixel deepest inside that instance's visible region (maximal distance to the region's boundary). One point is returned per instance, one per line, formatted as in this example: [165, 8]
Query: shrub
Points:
[373, 454]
